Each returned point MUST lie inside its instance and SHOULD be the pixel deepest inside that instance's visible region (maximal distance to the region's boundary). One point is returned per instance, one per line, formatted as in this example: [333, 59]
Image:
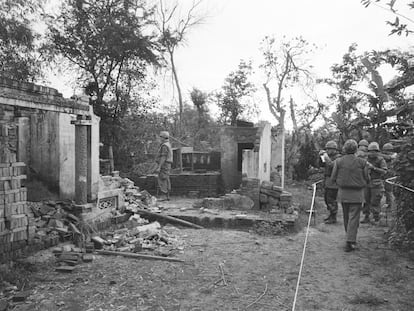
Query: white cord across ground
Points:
[398, 185]
[306, 241]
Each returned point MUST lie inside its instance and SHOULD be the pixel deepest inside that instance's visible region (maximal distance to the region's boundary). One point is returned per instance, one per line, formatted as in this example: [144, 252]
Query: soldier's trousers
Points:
[330, 200]
[373, 204]
[164, 183]
[352, 212]
[389, 196]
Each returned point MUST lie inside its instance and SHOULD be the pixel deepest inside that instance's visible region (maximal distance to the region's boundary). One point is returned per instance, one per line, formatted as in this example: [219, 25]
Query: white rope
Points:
[304, 245]
[398, 185]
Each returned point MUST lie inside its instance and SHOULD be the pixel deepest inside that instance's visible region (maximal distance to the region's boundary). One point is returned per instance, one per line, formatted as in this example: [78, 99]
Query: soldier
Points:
[362, 149]
[164, 161]
[377, 170]
[331, 189]
[389, 156]
[351, 175]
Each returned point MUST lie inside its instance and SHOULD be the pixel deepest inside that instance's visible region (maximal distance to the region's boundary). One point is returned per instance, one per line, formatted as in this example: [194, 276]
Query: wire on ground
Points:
[304, 245]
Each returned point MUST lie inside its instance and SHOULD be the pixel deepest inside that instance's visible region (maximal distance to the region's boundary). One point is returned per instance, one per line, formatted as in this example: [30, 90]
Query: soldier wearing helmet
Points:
[389, 156]
[328, 157]
[377, 170]
[164, 161]
[351, 175]
[362, 149]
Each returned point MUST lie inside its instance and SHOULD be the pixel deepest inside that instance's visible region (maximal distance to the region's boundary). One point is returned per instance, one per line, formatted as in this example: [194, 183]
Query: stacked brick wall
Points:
[16, 220]
[204, 185]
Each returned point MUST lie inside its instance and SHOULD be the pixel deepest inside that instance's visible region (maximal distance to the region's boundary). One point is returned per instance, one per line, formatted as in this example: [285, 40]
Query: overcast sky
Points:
[235, 28]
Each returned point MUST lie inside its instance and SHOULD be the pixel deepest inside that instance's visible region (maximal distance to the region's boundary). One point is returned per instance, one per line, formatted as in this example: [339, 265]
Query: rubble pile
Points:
[69, 256]
[143, 238]
[273, 197]
[54, 222]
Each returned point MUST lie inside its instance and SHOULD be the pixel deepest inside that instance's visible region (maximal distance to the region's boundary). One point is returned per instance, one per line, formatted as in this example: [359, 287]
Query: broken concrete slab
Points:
[230, 201]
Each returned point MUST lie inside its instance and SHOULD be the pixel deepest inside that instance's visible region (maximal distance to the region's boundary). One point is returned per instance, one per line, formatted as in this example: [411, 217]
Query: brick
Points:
[23, 194]
[5, 184]
[17, 221]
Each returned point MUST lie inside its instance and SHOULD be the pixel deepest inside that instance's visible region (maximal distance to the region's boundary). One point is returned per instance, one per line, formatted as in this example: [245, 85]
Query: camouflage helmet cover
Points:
[373, 146]
[331, 145]
[388, 147]
[164, 134]
[363, 142]
[350, 146]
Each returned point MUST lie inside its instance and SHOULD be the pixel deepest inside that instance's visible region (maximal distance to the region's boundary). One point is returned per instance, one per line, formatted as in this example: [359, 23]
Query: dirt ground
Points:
[236, 270]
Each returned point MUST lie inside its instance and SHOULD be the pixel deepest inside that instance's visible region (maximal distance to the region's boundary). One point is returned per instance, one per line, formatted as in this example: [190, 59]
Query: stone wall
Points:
[200, 185]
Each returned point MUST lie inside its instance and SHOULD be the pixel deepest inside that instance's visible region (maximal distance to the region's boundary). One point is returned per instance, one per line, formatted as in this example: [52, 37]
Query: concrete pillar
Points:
[81, 160]
[23, 142]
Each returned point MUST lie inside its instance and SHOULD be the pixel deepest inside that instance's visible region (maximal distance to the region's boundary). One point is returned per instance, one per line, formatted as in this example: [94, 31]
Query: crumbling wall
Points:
[46, 137]
[16, 220]
[233, 140]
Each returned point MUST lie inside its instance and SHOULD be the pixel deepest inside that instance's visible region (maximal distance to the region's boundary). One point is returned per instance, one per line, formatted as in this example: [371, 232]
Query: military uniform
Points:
[375, 186]
[351, 175]
[331, 188]
[389, 160]
[164, 160]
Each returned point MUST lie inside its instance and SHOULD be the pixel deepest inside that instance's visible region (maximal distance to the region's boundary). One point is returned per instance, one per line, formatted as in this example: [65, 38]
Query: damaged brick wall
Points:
[200, 185]
[16, 220]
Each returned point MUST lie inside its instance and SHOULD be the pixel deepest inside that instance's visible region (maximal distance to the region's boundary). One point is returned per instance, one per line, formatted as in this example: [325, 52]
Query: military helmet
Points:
[363, 142]
[331, 145]
[164, 134]
[388, 147]
[373, 146]
[350, 146]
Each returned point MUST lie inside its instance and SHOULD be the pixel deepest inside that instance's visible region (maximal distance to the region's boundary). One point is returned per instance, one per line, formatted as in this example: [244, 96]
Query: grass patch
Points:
[16, 273]
[366, 298]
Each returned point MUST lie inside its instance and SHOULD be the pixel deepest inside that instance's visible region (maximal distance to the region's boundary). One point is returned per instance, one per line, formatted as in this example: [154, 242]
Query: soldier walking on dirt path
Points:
[351, 175]
[164, 161]
[377, 170]
[331, 189]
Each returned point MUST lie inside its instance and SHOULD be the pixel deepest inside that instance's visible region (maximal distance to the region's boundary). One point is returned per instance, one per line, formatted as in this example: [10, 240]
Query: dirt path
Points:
[260, 273]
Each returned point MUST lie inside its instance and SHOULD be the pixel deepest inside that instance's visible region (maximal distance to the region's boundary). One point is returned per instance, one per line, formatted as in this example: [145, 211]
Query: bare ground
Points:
[236, 270]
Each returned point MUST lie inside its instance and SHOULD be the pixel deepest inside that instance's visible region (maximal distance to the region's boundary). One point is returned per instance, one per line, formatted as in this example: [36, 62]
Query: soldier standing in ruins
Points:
[351, 175]
[377, 170]
[164, 161]
[331, 189]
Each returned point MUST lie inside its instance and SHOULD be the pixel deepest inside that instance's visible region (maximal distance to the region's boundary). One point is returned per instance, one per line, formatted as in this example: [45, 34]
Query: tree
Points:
[199, 99]
[236, 87]
[111, 43]
[18, 57]
[397, 26]
[285, 66]
[174, 28]
[375, 109]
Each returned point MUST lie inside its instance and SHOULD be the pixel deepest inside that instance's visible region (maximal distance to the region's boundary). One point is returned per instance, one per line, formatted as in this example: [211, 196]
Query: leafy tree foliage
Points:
[18, 58]
[236, 87]
[111, 43]
[378, 110]
[402, 23]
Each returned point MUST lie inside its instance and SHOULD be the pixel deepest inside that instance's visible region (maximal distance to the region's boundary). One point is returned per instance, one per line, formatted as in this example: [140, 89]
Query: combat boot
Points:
[349, 247]
[331, 219]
